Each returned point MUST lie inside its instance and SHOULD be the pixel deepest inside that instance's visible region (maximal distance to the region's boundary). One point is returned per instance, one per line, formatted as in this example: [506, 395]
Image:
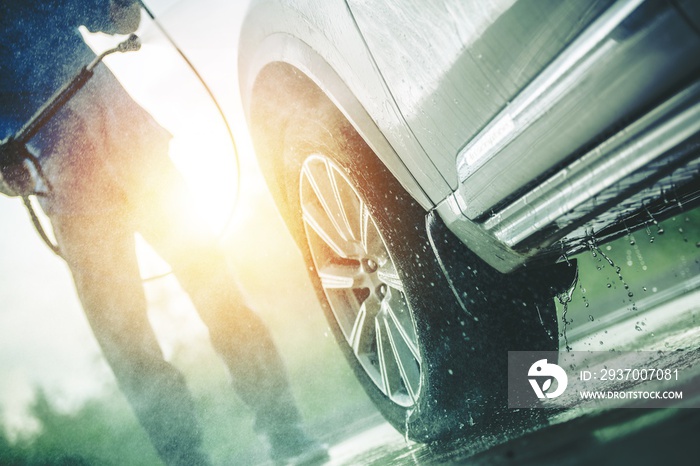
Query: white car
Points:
[438, 162]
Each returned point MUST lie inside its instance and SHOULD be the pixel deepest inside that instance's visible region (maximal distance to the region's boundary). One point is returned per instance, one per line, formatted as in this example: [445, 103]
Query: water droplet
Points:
[609, 285]
[630, 294]
[638, 328]
[564, 255]
[590, 317]
[564, 299]
[601, 342]
[406, 431]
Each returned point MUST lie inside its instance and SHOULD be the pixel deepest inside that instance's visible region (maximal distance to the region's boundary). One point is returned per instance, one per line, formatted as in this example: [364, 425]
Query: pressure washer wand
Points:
[13, 153]
[68, 90]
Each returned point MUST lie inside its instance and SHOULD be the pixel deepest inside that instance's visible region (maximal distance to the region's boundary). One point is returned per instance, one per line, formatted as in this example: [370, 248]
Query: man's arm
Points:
[125, 16]
[110, 16]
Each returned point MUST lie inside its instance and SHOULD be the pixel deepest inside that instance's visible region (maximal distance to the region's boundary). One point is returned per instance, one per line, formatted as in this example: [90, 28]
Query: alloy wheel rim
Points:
[360, 280]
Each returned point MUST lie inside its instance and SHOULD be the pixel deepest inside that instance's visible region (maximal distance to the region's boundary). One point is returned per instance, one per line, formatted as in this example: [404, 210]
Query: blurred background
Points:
[59, 403]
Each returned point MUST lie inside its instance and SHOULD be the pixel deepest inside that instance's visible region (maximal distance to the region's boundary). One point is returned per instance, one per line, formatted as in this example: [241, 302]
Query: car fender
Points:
[308, 47]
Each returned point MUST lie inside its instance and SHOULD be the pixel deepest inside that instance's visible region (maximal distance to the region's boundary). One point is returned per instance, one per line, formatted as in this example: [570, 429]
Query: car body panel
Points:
[641, 62]
[453, 67]
[320, 38]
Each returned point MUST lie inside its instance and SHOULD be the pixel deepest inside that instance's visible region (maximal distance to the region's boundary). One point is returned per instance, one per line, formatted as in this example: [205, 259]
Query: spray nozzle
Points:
[132, 44]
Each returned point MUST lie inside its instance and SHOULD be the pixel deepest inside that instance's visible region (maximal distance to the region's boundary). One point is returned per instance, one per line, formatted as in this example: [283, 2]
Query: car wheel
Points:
[433, 362]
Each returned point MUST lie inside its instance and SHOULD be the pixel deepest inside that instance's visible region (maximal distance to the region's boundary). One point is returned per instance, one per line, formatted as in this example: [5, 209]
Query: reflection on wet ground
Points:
[617, 437]
[582, 435]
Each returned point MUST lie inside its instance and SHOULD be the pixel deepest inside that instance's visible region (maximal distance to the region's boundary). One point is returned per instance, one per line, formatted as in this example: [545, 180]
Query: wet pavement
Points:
[583, 435]
[617, 437]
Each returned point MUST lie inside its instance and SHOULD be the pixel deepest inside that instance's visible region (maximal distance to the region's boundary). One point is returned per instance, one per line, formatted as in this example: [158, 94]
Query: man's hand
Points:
[5, 188]
[15, 177]
[125, 16]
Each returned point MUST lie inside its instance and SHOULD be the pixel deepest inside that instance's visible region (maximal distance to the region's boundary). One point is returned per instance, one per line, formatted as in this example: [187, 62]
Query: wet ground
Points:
[581, 435]
[616, 437]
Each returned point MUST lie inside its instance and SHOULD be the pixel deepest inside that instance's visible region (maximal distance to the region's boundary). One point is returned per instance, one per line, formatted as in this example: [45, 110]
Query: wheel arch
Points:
[285, 81]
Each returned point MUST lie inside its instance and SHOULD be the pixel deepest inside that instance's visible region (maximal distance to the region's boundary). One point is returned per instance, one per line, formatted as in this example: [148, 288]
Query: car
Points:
[438, 163]
[438, 166]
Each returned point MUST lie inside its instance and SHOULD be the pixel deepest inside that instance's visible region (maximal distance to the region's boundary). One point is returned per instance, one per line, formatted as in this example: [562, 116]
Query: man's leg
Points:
[100, 253]
[237, 333]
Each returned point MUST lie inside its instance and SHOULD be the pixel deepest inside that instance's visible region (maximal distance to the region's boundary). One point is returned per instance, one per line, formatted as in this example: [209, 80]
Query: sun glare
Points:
[160, 80]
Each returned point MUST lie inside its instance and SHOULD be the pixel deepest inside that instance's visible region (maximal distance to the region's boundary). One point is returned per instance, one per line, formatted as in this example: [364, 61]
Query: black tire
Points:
[462, 333]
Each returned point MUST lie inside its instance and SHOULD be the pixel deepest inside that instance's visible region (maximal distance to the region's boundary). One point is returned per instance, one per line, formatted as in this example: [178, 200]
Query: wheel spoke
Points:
[357, 330]
[385, 355]
[345, 307]
[406, 362]
[387, 273]
[322, 181]
[360, 337]
[319, 223]
[337, 276]
[349, 203]
[400, 316]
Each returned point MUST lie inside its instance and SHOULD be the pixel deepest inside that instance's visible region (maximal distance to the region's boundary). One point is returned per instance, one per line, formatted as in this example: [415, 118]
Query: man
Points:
[108, 176]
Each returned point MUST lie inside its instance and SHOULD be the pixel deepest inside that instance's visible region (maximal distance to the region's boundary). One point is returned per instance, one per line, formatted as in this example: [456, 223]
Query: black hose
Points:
[223, 117]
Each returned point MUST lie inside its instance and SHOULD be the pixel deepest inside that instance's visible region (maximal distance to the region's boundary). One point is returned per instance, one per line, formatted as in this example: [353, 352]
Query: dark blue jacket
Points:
[40, 49]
